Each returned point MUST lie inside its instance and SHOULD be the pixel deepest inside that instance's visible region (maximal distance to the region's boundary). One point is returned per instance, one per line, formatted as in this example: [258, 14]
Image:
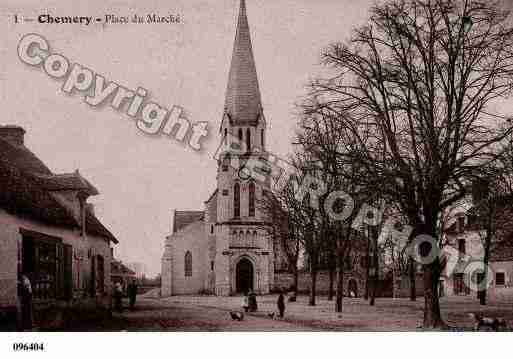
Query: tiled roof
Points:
[27, 186]
[243, 104]
[184, 218]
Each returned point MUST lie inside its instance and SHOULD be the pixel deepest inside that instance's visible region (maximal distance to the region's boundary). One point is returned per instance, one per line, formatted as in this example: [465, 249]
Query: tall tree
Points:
[413, 90]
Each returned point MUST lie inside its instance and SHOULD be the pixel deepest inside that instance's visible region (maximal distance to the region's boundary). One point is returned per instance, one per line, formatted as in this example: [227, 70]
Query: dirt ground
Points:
[209, 313]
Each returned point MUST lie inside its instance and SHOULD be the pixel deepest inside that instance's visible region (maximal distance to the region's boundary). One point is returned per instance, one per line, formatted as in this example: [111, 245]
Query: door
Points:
[244, 276]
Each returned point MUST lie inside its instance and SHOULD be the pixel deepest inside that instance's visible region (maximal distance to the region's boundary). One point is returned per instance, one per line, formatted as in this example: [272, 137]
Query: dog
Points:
[271, 315]
[239, 316]
[487, 324]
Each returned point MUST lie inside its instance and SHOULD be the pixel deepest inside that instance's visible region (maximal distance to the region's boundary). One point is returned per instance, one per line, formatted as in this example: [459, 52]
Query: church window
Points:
[226, 162]
[248, 140]
[262, 138]
[240, 134]
[236, 200]
[211, 265]
[251, 199]
[211, 229]
[188, 264]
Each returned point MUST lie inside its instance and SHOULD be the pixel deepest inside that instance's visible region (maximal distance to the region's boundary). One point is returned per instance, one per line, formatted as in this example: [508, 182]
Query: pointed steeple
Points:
[242, 103]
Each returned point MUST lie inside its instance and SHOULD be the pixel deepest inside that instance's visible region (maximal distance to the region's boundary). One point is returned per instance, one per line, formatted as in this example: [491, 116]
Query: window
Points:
[248, 140]
[225, 139]
[461, 224]
[500, 278]
[211, 265]
[462, 249]
[262, 138]
[240, 134]
[460, 288]
[348, 263]
[47, 263]
[252, 199]
[188, 264]
[211, 229]
[226, 162]
[100, 270]
[236, 200]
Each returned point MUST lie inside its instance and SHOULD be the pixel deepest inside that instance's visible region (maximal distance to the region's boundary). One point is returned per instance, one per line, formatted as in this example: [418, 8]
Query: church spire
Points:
[243, 104]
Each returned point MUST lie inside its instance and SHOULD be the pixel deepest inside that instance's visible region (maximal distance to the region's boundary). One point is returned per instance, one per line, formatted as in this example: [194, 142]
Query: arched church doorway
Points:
[352, 288]
[244, 276]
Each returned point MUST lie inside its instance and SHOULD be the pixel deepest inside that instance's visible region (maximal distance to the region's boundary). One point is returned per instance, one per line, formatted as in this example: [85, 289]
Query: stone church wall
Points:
[193, 238]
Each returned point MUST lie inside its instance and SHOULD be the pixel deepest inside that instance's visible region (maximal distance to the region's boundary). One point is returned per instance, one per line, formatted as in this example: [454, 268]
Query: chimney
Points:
[90, 208]
[12, 134]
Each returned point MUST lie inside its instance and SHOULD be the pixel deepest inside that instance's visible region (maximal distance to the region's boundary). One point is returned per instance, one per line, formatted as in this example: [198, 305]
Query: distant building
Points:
[138, 268]
[120, 273]
[466, 235]
[48, 231]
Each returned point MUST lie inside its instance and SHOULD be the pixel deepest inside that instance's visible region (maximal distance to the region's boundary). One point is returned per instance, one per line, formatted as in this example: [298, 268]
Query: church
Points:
[228, 248]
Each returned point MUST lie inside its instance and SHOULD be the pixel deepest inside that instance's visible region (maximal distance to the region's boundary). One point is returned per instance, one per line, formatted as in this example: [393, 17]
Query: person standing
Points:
[118, 297]
[245, 302]
[26, 303]
[132, 293]
[281, 304]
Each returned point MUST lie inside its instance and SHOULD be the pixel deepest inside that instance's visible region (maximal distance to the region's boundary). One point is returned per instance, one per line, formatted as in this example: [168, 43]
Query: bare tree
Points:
[285, 226]
[412, 89]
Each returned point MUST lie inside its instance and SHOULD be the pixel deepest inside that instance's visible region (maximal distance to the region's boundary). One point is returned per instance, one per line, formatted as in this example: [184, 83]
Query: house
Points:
[466, 237]
[49, 232]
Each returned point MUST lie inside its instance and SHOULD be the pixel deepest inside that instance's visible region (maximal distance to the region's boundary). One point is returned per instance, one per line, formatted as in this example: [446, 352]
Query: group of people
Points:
[249, 302]
[26, 316]
[131, 291]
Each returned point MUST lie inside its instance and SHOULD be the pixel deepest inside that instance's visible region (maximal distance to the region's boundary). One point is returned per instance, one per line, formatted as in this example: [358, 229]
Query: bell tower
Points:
[243, 123]
[244, 253]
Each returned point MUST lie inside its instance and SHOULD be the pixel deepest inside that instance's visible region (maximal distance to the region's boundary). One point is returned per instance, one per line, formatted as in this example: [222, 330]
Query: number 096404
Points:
[28, 347]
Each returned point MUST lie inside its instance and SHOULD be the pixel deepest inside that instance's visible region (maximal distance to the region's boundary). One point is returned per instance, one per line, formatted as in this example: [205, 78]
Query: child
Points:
[245, 302]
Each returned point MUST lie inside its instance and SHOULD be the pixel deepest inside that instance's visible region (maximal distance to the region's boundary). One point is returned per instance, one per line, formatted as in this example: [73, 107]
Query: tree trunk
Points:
[367, 269]
[296, 280]
[412, 273]
[375, 266]
[481, 294]
[331, 284]
[432, 314]
[340, 284]
[313, 277]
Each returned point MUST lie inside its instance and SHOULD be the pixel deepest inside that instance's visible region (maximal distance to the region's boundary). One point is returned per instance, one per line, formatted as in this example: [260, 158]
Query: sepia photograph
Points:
[255, 166]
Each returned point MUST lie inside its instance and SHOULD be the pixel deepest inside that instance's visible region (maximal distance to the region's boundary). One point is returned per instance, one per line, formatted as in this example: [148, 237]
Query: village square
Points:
[396, 216]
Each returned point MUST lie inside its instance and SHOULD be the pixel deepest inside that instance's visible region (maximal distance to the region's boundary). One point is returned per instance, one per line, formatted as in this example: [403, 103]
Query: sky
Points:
[142, 179]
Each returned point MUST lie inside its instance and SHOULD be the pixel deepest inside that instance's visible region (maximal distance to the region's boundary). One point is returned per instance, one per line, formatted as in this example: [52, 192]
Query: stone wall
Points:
[192, 238]
[286, 280]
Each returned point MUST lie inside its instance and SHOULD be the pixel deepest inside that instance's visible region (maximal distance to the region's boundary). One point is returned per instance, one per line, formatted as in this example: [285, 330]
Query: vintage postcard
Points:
[255, 166]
